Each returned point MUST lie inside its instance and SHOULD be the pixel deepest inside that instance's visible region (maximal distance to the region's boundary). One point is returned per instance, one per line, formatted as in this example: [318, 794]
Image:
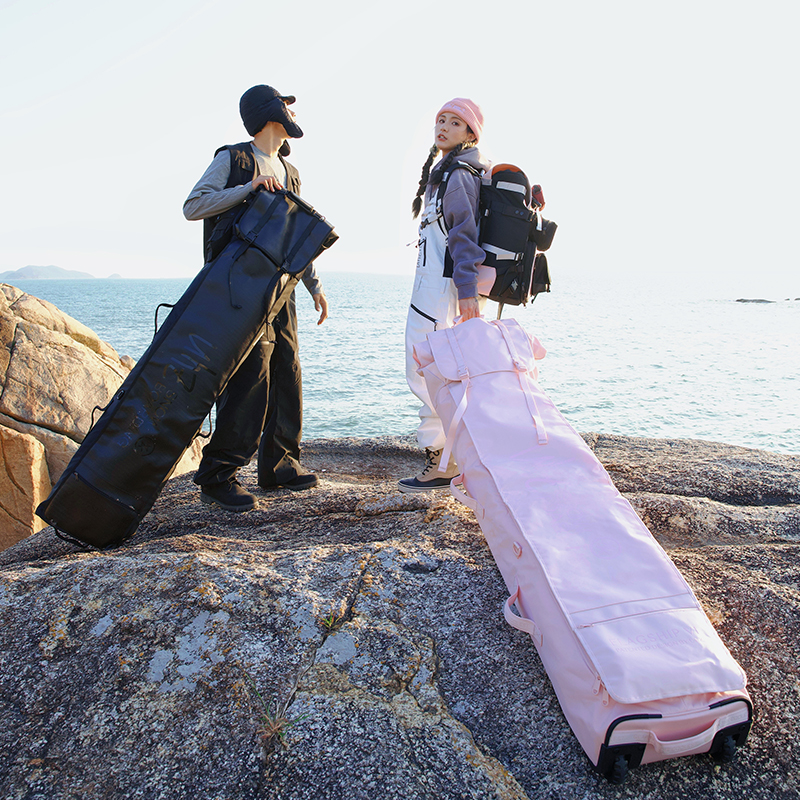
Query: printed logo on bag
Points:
[655, 640]
[144, 445]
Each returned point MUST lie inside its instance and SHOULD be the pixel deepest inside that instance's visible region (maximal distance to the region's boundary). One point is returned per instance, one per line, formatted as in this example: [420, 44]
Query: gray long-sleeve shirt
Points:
[210, 197]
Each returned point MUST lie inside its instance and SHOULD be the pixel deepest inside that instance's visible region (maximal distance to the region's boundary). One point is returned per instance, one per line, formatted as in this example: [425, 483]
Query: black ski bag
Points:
[126, 458]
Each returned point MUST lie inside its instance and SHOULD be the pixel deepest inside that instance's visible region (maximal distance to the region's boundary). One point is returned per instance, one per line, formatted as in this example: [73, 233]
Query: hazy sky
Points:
[665, 135]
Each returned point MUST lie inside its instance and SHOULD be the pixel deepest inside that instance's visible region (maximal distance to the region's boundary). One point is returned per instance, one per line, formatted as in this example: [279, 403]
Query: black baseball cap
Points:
[262, 104]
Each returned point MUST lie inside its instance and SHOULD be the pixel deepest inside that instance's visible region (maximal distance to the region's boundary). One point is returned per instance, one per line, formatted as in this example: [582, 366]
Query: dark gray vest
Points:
[244, 168]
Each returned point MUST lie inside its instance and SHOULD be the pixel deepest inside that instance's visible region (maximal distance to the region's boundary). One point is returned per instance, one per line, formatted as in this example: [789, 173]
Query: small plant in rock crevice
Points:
[333, 621]
[273, 724]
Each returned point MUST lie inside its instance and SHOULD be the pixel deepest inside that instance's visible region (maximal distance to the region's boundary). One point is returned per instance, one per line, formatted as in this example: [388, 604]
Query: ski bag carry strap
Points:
[521, 623]
[524, 372]
[457, 490]
[463, 373]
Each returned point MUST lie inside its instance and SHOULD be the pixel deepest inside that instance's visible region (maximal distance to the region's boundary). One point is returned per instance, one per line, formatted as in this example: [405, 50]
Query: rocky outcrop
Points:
[55, 373]
[348, 642]
[24, 483]
[727, 495]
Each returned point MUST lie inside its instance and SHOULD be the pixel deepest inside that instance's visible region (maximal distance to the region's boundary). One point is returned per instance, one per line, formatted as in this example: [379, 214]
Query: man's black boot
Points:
[229, 495]
[303, 480]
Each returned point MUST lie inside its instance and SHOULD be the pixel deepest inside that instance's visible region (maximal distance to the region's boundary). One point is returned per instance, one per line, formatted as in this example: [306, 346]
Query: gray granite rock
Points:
[692, 492]
[347, 642]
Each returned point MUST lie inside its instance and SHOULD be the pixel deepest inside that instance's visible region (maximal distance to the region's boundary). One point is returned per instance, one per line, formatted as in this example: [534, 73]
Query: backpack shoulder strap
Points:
[443, 183]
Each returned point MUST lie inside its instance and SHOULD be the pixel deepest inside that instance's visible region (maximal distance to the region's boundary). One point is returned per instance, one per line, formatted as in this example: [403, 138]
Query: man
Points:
[261, 407]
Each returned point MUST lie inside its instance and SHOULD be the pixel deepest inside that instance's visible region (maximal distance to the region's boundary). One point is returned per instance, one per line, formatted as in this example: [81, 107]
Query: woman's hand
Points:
[321, 305]
[468, 308]
[269, 182]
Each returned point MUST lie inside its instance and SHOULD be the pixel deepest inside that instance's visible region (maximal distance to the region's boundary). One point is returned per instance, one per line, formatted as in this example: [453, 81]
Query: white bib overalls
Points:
[434, 305]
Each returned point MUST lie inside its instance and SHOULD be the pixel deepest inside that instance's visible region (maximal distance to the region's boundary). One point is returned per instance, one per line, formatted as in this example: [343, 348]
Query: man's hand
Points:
[271, 183]
[468, 308]
[321, 305]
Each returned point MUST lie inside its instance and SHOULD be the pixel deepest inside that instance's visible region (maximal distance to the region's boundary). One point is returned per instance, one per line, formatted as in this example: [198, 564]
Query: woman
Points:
[446, 279]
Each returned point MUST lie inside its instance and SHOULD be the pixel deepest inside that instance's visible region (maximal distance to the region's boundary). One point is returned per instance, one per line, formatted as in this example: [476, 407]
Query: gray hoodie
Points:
[460, 209]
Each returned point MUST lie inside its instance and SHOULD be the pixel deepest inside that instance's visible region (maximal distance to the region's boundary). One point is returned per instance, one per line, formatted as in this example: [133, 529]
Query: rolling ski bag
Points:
[639, 670]
[120, 468]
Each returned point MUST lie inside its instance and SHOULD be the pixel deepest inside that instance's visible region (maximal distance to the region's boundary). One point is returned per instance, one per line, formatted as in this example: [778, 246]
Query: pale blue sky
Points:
[664, 134]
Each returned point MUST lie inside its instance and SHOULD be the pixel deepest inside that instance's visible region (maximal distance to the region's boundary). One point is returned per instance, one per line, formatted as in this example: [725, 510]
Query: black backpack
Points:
[512, 233]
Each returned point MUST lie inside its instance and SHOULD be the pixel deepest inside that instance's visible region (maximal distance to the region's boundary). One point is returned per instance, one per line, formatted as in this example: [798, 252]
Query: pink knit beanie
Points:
[468, 111]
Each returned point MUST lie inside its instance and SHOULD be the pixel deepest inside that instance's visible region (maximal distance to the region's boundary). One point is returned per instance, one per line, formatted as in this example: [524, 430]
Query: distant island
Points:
[53, 273]
[50, 273]
[759, 300]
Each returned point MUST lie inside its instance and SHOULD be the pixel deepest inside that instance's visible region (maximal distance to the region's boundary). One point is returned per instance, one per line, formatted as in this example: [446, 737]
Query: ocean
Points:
[639, 361]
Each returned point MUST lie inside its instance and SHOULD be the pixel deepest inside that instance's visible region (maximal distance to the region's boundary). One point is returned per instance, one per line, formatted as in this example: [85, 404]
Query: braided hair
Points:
[440, 170]
[416, 206]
